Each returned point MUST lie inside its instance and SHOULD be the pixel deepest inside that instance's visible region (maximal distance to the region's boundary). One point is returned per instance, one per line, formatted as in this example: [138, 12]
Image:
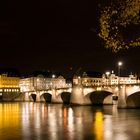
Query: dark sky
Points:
[57, 35]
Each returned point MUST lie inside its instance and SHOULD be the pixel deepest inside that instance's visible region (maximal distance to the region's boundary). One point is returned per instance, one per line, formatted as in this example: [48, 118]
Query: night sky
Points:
[58, 35]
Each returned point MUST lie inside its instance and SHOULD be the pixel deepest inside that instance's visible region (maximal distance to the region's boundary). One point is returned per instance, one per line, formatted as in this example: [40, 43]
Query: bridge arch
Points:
[133, 100]
[100, 97]
[47, 97]
[65, 96]
[33, 96]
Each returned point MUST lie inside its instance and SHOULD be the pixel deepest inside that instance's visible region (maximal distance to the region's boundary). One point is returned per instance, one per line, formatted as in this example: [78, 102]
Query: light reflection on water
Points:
[36, 121]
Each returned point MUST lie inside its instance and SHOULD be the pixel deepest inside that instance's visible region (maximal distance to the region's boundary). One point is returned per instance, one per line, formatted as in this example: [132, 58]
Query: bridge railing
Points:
[109, 85]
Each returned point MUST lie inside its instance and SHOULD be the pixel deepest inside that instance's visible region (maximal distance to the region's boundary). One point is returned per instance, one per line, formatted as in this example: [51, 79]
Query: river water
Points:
[40, 121]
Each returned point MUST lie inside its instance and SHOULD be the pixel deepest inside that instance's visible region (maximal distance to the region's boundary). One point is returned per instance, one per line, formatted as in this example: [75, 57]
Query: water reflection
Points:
[10, 121]
[98, 125]
[38, 121]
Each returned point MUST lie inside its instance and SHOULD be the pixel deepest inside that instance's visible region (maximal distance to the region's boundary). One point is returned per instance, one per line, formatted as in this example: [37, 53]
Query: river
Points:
[41, 121]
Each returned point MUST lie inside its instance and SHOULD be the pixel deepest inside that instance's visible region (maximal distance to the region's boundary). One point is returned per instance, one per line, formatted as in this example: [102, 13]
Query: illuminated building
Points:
[128, 80]
[112, 79]
[93, 79]
[41, 82]
[105, 79]
[9, 86]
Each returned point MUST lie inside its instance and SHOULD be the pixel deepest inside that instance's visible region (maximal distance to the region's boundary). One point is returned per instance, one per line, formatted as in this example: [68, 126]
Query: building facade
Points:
[110, 79]
[9, 86]
[40, 83]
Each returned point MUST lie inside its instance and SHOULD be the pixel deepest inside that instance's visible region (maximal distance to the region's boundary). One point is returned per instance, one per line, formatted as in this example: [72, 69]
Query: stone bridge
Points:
[59, 95]
[125, 95]
[129, 96]
[93, 94]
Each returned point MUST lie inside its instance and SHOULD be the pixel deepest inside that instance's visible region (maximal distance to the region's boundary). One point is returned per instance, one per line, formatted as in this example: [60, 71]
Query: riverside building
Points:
[9, 87]
[105, 79]
[41, 82]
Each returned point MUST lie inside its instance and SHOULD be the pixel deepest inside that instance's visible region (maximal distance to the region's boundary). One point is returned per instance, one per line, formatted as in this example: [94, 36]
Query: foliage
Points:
[115, 17]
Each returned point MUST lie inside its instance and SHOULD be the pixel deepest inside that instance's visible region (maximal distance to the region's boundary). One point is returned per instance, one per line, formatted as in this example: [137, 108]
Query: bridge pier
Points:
[26, 97]
[37, 96]
[77, 96]
[122, 97]
[55, 97]
[52, 92]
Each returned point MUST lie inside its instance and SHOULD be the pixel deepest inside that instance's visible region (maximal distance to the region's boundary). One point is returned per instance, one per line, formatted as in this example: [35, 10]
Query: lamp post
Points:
[119, 71]
[107, 78]
[119, 68]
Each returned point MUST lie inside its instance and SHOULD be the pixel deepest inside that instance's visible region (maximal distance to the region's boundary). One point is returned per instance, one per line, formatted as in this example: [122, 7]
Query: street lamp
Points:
[119, 67]
[107, 77]
[53, 75]
[107, 73]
